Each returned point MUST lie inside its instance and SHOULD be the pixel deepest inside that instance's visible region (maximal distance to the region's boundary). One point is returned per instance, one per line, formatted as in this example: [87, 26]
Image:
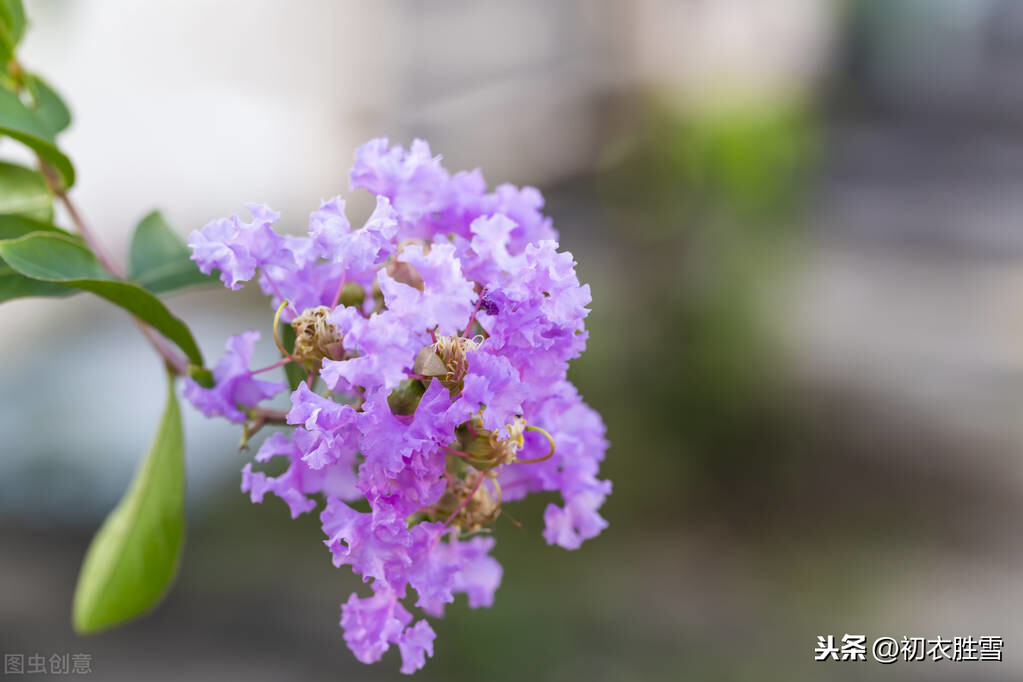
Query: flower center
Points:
[316, 337]
[447, 360]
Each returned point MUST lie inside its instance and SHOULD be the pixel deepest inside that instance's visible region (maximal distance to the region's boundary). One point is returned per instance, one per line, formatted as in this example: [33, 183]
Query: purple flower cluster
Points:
[436, 340]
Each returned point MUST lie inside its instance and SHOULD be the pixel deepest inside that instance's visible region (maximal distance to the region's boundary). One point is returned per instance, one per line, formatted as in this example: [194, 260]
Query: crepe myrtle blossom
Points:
[434, 341]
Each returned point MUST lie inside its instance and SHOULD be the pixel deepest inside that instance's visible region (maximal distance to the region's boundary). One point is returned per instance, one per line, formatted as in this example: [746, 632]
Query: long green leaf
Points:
[135, 555]
[23, 191]
[23, 124]
[12, 26]
[14, 285]
[160, 260]
[14, 226]
[61, 259]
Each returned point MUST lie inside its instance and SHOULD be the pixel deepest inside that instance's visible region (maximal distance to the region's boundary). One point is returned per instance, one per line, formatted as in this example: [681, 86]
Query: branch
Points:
[269, 416]
[87, 234]
[174, 361]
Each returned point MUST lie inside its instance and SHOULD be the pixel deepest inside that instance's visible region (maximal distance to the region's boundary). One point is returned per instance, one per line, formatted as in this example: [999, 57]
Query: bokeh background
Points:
[803, 224]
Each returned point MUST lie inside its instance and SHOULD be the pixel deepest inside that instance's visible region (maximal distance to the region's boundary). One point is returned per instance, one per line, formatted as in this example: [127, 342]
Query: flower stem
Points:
[472, 317]
[277, 325]
[337, 294]
[89, 236]
[279, 363]
[269, 416]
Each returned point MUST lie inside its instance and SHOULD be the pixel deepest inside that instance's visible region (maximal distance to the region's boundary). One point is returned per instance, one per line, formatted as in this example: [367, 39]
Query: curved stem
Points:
[277, 326]
[175, 362]
[549, 440]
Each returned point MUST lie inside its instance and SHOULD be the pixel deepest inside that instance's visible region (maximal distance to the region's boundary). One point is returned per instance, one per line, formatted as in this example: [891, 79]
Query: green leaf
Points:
[14, 285]
[14, 226]
[61, 259]
[23, 191]
[52, 257]
[23, 124]
[293, 371]
[12, 26]
[160, 260]
[154, 244]
[134, 557]
[12, 14]
[49, 107]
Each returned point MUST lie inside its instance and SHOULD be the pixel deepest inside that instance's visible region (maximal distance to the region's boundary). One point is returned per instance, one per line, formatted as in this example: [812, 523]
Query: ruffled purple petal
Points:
[235, 387]
[439, 257]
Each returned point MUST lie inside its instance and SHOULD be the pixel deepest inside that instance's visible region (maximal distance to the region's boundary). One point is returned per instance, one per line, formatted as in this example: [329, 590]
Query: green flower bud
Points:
[201, 376]
[352, 294]
[487, 449]
[404, 399]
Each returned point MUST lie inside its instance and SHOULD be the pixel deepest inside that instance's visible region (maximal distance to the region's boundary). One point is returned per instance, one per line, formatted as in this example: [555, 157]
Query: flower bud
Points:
[404, 399]
[406, 274]
[352, 294]
[488, 449]
[201, 376]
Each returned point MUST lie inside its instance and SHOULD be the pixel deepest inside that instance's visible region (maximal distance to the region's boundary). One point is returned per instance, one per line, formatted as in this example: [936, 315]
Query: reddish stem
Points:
[462, 504]
[279, 363]
[174, 361]
[337, 295]
[458, 453]
[472, 318]
[89, 236]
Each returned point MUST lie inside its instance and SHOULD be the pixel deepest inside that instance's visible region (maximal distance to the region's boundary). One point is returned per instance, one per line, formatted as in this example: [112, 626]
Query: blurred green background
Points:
[801, 224]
